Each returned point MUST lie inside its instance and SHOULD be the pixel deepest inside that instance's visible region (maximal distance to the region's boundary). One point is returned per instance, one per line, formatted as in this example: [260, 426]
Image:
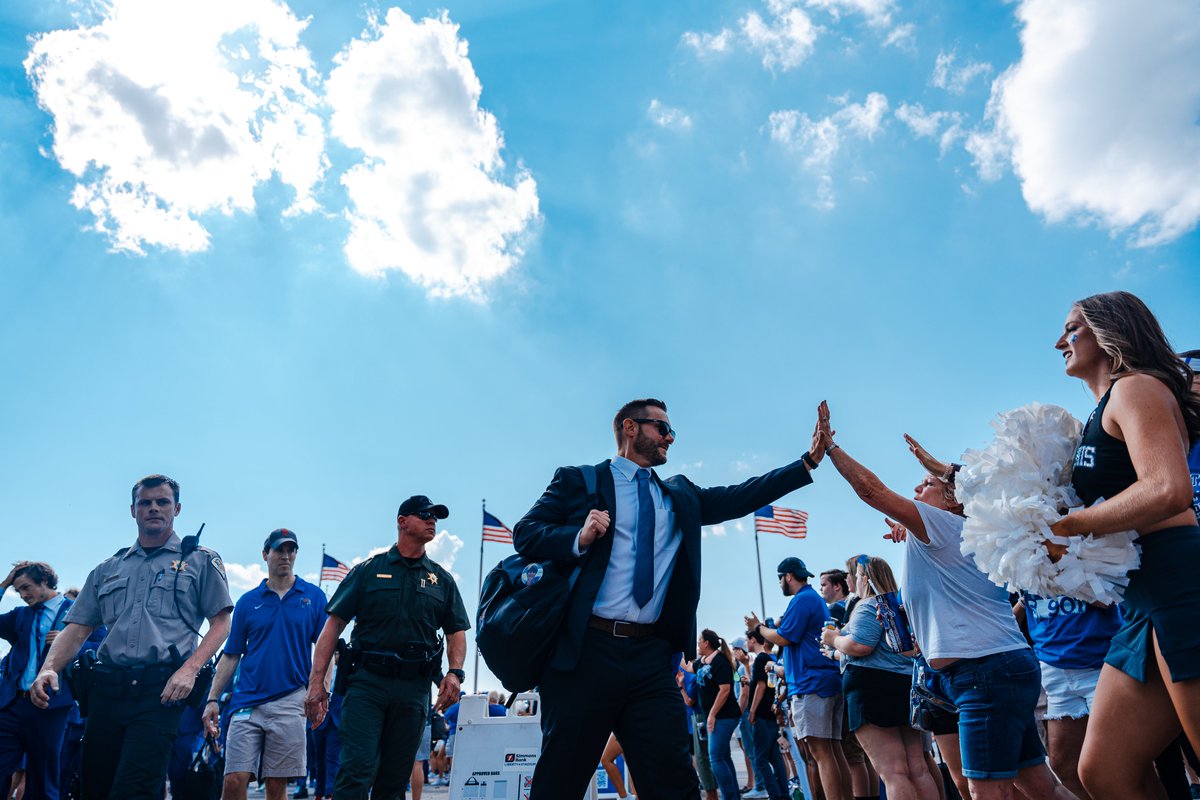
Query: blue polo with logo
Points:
[274, 636]
[807, 671]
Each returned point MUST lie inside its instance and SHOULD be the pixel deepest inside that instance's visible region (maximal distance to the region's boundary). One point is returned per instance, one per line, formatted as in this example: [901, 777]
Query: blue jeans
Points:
[996, 696]
[721, 759]
[747, 732]
[768, 760]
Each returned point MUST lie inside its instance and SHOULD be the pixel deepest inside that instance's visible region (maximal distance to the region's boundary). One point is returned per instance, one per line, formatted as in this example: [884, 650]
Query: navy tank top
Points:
[1102, 464]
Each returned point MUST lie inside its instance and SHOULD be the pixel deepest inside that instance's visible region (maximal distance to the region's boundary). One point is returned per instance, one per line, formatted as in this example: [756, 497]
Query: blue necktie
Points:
[643, 565]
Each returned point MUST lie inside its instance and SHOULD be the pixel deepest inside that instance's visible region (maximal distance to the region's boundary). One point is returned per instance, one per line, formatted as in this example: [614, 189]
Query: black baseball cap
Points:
[793, 566]
[278, 537]
[419, 502]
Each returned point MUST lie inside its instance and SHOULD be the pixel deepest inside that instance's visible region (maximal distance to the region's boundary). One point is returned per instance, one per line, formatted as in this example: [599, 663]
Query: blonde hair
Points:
[879, 577]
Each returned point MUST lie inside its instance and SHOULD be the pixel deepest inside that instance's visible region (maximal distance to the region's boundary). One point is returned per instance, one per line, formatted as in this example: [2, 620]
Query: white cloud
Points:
[430, 197]
[954, 78]
[444, 549]
[1099, 117]
[165, 111]
[784, 42]
[945, 126]
[712, 530]
[818, 141]
[784, 38]
[244, 577]
[902, 36]
[706, 44]
[878, 13]
[669, 118]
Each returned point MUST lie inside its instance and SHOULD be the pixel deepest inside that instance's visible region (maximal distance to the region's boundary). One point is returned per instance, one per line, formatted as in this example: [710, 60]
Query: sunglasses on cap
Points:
[424, 515]
[664, 428]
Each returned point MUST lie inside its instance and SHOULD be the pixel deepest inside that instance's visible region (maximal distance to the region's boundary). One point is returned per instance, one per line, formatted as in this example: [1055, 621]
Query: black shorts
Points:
[876, 696]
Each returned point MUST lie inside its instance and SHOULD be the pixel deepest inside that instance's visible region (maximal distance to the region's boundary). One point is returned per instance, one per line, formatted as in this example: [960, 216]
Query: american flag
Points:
[332, 569]
[790, 522]
[495, 531]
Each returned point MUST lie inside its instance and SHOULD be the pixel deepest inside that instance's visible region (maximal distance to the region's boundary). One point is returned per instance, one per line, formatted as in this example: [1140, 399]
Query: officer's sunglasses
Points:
[664, 428]
[424, 516]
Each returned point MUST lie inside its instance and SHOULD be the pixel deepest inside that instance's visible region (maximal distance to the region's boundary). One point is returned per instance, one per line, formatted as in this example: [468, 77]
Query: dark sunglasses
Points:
[424, 515]
[664, 429]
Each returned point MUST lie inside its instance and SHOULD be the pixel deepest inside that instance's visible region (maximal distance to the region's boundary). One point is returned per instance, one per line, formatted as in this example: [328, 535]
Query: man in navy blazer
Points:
[26, 730]
[633, 605]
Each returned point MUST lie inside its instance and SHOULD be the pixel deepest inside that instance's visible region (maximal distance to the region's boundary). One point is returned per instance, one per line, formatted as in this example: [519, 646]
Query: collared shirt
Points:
[149, 601]
[274, 636]
[615, 598]
[43, 618]
[807, 670]
[394, 602]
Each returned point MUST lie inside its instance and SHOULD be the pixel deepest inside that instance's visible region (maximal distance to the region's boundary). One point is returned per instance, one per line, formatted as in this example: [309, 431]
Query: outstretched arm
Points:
[866, 484]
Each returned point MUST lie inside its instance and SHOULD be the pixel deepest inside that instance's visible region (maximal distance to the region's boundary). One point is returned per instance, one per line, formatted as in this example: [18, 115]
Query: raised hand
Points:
[933, 466]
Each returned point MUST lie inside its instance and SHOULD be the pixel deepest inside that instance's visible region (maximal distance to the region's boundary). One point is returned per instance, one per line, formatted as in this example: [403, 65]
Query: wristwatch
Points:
[458, 673]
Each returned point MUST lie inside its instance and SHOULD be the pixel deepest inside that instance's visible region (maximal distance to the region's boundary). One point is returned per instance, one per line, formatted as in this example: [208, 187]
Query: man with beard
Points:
[632, 606]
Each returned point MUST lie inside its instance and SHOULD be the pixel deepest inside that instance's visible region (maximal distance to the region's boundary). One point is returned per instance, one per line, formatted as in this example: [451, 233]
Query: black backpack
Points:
[521, 608]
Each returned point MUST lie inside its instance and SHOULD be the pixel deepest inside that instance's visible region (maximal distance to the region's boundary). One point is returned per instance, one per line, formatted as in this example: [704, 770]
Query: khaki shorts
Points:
[817, 717]
[271, 735]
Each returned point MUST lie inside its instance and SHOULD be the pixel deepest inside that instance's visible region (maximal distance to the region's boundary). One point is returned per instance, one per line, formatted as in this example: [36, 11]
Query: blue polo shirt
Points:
[807, 671]
[274, 636]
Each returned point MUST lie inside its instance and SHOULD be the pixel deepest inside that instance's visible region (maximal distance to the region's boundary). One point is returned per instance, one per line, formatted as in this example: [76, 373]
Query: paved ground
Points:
[443, 792]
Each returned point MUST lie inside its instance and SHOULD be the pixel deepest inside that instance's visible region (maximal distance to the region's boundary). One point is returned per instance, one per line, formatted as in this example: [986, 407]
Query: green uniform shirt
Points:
[150, 601]
[393, 603]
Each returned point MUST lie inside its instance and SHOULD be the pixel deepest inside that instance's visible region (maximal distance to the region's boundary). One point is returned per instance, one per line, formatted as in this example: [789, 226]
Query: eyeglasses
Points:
[664, 428]
[782, 576]
[424, 515]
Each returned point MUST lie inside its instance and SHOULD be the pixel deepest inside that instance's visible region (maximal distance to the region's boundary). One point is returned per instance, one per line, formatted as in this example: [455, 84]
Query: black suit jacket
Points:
[548, 531]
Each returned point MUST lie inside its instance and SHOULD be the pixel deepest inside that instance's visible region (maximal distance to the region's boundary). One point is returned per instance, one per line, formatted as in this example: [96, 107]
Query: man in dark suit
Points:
[25, 730]
[633, 605]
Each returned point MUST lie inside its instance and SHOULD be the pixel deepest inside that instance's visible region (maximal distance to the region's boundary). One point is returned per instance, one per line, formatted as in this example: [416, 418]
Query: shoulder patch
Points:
[218, 565]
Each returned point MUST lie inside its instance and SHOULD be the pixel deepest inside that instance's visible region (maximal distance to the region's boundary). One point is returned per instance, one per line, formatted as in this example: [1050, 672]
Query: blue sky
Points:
[311, 269]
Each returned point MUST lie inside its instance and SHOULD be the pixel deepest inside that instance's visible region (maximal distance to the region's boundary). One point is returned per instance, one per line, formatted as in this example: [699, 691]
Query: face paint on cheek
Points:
[1074, 338]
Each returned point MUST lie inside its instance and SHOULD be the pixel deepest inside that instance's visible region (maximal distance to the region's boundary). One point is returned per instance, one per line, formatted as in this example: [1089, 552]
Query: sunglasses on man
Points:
[664, 428]
[424, 516]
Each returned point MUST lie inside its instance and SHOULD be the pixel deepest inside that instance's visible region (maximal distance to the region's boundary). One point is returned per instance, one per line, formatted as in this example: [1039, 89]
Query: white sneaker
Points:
[756, 794]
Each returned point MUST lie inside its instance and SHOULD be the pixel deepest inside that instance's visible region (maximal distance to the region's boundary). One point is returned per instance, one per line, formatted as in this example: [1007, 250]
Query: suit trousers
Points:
[624, 686]
[36, 734]
[127, 743]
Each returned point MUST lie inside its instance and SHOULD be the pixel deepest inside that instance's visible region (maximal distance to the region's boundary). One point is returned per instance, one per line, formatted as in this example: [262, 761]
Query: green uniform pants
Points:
[381, 726]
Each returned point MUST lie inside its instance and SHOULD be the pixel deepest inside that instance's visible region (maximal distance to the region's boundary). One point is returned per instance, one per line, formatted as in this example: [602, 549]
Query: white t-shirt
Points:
[954, 610]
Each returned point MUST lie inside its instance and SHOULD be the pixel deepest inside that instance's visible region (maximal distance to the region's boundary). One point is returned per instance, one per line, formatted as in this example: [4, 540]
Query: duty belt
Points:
[136, 677]
[391, 665]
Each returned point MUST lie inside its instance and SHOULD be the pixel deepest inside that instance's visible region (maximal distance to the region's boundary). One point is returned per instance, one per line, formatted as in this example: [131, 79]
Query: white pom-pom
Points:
[1011, 493]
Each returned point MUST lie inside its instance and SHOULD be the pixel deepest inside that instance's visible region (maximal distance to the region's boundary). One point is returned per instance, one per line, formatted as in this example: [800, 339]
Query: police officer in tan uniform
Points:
[399, 600]
[153, 597]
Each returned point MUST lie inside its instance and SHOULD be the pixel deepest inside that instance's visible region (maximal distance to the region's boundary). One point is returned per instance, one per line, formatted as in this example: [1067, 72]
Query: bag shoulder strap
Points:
[593, 501]
[589, 482]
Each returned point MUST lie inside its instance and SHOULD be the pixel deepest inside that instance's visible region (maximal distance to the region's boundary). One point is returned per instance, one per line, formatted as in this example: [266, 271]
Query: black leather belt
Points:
[622, 630]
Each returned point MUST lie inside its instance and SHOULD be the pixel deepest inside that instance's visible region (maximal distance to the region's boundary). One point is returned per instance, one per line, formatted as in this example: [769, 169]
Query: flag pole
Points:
[758, 559]
[479, 596]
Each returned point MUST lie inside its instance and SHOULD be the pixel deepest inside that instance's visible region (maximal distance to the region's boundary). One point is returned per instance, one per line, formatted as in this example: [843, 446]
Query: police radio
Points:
[190, 543]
